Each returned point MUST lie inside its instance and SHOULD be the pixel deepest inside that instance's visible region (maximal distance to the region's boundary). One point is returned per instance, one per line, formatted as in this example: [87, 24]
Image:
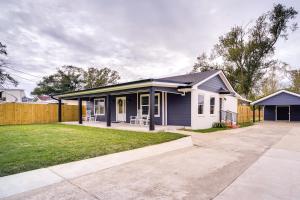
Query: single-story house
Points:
[281, 105]
[195, 100]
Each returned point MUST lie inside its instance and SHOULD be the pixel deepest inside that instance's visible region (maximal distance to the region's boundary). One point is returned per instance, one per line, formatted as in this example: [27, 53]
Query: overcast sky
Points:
[138, 38]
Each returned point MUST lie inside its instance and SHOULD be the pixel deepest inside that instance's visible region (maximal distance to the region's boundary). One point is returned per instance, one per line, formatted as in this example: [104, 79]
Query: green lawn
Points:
[209, 130]
[27, 147]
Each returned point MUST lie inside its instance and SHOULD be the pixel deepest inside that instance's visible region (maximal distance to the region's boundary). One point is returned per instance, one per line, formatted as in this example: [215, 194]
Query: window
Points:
[99, 106]
[145, 102]
[200, 104]
[212, 105]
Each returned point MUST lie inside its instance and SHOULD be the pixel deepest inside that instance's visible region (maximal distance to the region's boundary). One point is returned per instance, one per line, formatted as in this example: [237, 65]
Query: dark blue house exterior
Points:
[281, 105]
[191, 100]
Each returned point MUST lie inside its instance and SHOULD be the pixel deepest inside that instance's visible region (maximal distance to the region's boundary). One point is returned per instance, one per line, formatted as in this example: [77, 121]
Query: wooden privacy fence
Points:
[245, 114]
[26, 113]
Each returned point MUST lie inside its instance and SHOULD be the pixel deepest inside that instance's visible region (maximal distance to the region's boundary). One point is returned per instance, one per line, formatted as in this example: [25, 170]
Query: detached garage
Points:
[282, 105]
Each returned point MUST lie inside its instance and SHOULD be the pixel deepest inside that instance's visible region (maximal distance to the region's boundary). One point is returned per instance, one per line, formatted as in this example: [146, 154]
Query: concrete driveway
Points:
[258, 162]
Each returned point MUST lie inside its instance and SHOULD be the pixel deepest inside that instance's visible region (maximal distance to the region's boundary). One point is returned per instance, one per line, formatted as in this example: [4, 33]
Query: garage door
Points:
[295, 113]
[269, 113]
[283, 113]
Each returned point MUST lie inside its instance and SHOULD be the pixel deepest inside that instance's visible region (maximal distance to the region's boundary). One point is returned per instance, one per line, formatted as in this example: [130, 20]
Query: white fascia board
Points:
[274, 94]
[201, 82]
[124, 87]
[224, 79]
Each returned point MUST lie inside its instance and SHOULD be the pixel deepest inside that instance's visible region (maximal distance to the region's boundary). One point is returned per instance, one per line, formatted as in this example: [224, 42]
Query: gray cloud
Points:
[140, 39]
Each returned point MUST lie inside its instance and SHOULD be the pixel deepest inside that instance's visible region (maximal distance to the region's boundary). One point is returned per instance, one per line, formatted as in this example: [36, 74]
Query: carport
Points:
[282, 105]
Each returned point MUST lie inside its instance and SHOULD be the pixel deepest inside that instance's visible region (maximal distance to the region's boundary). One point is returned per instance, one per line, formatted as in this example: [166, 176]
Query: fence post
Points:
[59, 111]
[253, 113]
[259, 113]
[79, 110]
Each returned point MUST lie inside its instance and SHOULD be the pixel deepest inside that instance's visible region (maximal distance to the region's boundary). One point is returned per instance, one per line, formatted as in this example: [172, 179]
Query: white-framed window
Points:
[99, 106]
[200, 104]
[145, 102]
[212, 105]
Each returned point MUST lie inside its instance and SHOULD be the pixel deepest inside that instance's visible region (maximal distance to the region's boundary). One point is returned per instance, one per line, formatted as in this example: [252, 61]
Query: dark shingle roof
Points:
[190, 79]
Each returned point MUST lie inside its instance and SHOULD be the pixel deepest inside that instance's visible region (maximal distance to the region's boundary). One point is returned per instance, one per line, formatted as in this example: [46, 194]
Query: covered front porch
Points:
[161, 107]
[126, 126]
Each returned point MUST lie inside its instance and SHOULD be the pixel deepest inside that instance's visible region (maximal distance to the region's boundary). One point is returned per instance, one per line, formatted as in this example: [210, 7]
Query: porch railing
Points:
[228, 117]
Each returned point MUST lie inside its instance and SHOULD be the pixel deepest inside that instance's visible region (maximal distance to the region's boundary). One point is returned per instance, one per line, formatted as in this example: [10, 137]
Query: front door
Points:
[283, 113]
[121, 109]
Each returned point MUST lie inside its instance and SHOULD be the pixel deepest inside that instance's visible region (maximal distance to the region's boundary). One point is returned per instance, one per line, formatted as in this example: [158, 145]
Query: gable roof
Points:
[190, 79]
[274, 94]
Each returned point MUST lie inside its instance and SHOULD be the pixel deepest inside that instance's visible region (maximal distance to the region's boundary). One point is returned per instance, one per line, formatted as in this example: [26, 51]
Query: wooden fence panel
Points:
[245, 114]
[26, 113]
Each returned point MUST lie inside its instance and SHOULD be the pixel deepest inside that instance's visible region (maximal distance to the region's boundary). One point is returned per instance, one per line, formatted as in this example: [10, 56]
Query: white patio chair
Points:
[89, 116]
[145, 120]
[135, 119]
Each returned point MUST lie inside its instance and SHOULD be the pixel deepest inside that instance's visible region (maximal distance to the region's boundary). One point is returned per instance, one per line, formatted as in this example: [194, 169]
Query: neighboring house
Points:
[44, 99]
[12, 95]
[194, 100]
[281, 105]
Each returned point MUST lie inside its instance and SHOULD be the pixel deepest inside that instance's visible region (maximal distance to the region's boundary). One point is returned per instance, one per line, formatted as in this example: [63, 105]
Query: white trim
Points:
[156, 94]
[214, 105]
[203, 81]
[166, 107]
[274, 94]
[163, 108]
[225, 81]
[124, 87]
[203, 107]
[99, 114]
[137, 102]
[125, 109]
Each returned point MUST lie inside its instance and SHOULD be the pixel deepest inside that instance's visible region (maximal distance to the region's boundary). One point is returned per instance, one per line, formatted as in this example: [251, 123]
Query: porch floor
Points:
[125, 126]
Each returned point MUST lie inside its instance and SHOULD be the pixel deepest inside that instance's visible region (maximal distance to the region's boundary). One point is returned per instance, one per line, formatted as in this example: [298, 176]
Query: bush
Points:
[219, 125]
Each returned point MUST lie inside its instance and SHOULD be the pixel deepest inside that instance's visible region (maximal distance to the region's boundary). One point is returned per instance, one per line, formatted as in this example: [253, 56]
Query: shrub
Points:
[219, 125]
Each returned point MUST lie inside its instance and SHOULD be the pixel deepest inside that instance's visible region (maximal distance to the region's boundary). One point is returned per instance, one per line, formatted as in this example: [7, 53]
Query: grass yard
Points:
[28, 147]
[209, 130]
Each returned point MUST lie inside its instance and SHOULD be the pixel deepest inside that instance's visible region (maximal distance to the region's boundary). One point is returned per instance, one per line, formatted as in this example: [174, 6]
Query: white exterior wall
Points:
[13, 95]
[206, 120]
[230, 104]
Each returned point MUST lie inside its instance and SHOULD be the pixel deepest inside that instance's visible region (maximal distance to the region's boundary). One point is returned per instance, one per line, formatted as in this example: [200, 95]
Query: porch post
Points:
[151, 108]
[79, 110]
[220, 108]
[253, 113]
[259, 113]
[59, 111]
[108, 110]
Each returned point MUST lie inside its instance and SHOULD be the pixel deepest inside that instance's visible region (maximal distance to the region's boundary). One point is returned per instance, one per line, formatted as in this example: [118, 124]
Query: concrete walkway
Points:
[258, 162]
[26, 181]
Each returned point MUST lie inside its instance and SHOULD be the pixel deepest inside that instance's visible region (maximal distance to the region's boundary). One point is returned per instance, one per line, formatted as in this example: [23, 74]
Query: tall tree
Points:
[70, 78]
[247, 53]
[67, 78]
[4, 76]
[95, 77]
[295, 79]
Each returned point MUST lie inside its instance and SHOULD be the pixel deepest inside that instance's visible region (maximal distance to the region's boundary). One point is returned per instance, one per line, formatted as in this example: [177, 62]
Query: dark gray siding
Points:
[269, 113]
[295, 113]
[179, 109]
[281, 99]
[213, 85]
[131, 105]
